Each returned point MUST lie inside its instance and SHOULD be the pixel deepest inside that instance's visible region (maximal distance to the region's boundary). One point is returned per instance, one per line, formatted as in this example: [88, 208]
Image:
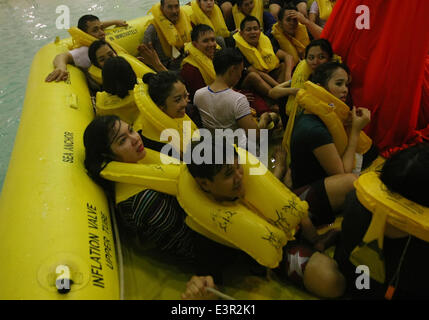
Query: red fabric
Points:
[193, 79]
[424, 105]
[387, 66]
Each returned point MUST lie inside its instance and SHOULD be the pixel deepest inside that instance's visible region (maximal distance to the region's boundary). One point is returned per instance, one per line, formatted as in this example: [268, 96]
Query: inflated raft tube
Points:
[55, 228]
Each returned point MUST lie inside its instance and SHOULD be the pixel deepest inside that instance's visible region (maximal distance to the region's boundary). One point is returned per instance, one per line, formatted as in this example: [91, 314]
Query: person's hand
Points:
[264, 120]
[196, 288]
[59, 74]
[121, 23]
[299, 16]
[360, 118]
[149, 56]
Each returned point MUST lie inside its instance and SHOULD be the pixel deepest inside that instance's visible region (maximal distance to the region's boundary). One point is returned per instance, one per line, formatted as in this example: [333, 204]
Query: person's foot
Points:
[279, 156]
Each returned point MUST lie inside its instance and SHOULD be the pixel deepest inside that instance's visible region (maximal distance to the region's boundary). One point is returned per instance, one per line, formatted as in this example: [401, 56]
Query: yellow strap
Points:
[215, 21]
[262, 57]
[295, 46]
[200, 61]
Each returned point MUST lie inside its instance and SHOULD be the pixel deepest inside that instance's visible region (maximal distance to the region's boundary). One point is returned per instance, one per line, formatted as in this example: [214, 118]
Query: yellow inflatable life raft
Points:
[154, 122]
[81, 38]
[260, 226]
[386, 207]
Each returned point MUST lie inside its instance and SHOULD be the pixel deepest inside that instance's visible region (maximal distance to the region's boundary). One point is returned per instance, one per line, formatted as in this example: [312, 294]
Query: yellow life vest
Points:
[149, 173]
[325, 8]
[139, 68]
[258, 225]
[262, 57]
[257, 12]
[108, 104]
[390, 207]
[199, 60]
[171, 35]
[316, 100]
[81, 38]
[215, 21]
[153, 121]
[295, 46]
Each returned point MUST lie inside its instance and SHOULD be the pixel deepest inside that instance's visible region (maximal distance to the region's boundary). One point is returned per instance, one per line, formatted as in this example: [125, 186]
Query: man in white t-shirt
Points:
[79, 57]
[221, 107]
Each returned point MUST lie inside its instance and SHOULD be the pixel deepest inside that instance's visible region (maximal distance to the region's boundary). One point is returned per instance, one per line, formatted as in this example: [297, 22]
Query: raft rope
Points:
[393, 284]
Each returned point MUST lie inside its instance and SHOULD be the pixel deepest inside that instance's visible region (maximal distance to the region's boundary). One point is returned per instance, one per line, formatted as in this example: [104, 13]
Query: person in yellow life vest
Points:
[164, 39]
[320, 172]
[270, 71]
[289, 35]
[99, 52]
[79, 56]
[197, 68]
[207, 12]
[276, 5]
[117, 98]
[320, 11]
[255, 8]
[225, 183]
[398, 186]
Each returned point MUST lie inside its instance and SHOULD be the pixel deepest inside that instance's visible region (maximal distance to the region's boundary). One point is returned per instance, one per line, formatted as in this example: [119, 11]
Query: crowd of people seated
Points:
[248, 64]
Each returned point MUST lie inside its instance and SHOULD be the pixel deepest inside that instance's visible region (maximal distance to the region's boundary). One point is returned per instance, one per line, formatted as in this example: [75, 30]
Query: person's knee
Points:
[323, 278]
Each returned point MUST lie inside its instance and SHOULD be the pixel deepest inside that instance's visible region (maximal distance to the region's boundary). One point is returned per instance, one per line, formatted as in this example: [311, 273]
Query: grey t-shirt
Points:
[221, 110]
[151, 35]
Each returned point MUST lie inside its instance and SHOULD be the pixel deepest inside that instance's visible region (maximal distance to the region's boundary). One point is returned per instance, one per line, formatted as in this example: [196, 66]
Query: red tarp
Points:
[389, 65]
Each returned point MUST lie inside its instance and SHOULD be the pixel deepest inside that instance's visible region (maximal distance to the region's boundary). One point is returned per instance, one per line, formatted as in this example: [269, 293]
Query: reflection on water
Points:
[27, 25]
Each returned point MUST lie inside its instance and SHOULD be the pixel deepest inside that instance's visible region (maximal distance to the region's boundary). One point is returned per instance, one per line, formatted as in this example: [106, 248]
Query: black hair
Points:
[97, 139]
[199, 29]
[163, 1]
[287, 6]
[118, 77]
[225, 58]
[218, 158]
[406, 172]
[323, 72]
[160, 85]
[240, 3]
[92, 51]
[81, 24]
[324, 45]
[248, 19]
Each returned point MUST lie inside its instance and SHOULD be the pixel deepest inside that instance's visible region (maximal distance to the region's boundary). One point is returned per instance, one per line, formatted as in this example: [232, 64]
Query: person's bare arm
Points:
[248, 122]
[116, 23]
[149, 56]
[60, 72]
[265, 76]
[311, 26]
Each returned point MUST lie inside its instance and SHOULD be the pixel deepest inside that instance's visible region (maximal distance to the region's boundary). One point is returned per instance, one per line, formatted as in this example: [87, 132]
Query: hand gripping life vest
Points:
[139, 68]
[199, 60]
[390, 207]
[260, 224]
[215, 21]
[109, 104]
[257, 12]
[295, 46]
[153, 121]
[171, 35]
[81, 38]
[325, 8]
[262, 57]
[333, 112]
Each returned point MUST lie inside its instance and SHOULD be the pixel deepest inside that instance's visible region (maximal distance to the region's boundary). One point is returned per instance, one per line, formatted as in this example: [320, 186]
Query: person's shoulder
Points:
[201, 92]
[82, 49]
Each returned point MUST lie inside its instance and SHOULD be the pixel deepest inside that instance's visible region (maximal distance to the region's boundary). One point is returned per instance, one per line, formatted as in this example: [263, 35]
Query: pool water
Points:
[26, 26]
